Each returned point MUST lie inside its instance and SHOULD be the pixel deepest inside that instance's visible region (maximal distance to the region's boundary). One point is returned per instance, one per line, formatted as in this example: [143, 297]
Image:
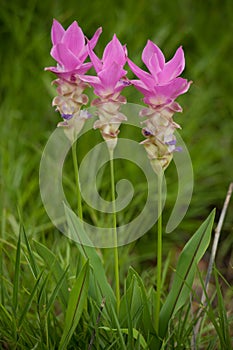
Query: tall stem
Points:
[116, 259]
[76, 174]
[159, 253]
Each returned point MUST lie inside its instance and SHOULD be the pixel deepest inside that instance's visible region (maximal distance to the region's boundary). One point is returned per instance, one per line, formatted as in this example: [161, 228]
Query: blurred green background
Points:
[203, 28]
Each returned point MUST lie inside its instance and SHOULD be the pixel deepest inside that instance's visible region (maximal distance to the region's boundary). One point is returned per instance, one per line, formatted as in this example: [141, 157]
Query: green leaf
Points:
[29, 301]
[52, 263]
[56, 291]
[132, 302]
[185, 272]
[136, 335]
[16, 274]
[31, 259]
[90, 253]
[146, 316]
[147, 321]
[223, 322]
[77, 300]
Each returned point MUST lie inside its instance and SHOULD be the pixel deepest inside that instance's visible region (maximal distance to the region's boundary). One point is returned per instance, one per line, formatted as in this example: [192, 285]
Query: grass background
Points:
[203, 28]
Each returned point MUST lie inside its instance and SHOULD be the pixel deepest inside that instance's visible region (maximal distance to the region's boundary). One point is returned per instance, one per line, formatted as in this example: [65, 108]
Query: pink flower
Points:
[69, 49]
[162, 84]
[110, 73]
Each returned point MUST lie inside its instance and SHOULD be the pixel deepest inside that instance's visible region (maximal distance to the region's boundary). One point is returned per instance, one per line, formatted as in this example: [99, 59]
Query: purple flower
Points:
[69, 49]
[110, 79]
[162, 84]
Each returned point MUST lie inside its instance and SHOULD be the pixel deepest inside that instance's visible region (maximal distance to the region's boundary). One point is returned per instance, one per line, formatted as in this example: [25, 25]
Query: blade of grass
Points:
[222, 317]
[29, 301]
[89, 252]
[31, 259]
[75, 306]
[136, 335]
[212, 256]
[96, 325]
[6, 313]
[56, 291]
[2, 285]
[52, 263]
[16, 275]
[118, 329]
[185, 272]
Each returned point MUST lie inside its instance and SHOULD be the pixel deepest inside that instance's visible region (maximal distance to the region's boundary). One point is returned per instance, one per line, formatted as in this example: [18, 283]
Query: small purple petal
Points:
[85, 114]
[178, 149]
[66, 116]
[126, 82]
[171, 143]
[146, 132]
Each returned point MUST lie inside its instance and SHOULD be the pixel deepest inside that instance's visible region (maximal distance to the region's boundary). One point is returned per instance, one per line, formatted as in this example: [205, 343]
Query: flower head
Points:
[108, 83]
[162, 84]
[110, 79]
[70, 49]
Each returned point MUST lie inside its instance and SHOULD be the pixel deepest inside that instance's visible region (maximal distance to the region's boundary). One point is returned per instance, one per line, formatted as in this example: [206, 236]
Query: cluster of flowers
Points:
[161, 85]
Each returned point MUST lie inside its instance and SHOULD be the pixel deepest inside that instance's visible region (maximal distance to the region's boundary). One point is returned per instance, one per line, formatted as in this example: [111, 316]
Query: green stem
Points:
[116, 259]
[76, 174]
[159, 254]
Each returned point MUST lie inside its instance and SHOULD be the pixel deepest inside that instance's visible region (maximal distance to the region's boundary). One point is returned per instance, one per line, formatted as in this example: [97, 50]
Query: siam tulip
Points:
[160, 87]
[108, 84]
[70, 50]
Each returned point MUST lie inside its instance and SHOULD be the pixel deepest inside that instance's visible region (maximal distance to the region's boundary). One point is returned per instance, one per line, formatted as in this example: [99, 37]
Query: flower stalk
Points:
[76, 174]
[159, 253]
[114, 221]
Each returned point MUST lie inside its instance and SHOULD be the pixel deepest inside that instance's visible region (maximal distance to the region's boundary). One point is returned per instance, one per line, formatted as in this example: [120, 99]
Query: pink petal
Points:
[125, 50]
[114, 52]
[153, 66]
[140, 86]
[119, 86]
[174, 67]
[94, 59]
[158, 62]
[111, 75]
[66, 73]
[65, 57]
[74, 39]
[145, 77]
[176, 87]
[90, 45]
[93, 41]
[57, 32]
[90, 79]
[84, 68]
